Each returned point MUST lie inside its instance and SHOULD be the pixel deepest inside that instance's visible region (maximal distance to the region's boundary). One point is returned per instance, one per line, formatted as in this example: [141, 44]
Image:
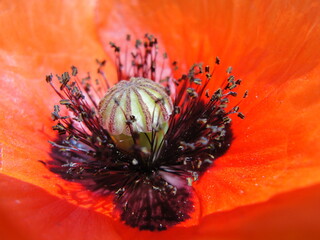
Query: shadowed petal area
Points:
[295, 211]
[291, 215]
[273, 47]
[35, 214]
[45, 37]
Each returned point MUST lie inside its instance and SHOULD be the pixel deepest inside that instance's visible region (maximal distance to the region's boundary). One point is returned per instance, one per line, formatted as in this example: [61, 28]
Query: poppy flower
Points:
[266, 185]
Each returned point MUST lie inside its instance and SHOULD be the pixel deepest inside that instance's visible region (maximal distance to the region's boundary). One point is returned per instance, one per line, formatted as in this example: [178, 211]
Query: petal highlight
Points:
[46, 37]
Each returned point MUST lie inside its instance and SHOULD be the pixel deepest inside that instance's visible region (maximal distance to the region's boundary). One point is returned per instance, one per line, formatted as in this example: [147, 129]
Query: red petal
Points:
[32, 213]
[273, 46]
[44, 37]
[275, 149]
[292, 215]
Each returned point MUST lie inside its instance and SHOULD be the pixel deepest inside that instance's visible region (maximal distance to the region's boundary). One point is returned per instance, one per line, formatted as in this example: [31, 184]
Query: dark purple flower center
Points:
[152, 188]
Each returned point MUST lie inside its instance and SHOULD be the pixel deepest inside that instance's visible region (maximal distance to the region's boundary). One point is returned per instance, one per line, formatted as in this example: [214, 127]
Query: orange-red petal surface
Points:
[44, 37]
[273, 46]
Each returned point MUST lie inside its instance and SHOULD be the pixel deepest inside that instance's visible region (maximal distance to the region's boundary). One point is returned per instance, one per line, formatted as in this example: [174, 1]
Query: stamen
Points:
[171, 140]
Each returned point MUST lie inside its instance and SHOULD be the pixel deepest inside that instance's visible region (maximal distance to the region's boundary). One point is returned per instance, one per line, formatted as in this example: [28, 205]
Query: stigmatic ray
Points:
[144, 140]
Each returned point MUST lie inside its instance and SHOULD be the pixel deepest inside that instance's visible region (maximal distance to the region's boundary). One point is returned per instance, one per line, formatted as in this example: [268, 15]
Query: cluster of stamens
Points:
[140, 143]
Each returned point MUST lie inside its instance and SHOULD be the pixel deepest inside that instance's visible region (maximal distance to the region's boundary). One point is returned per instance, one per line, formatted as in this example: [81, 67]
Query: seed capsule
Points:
[137, 106]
